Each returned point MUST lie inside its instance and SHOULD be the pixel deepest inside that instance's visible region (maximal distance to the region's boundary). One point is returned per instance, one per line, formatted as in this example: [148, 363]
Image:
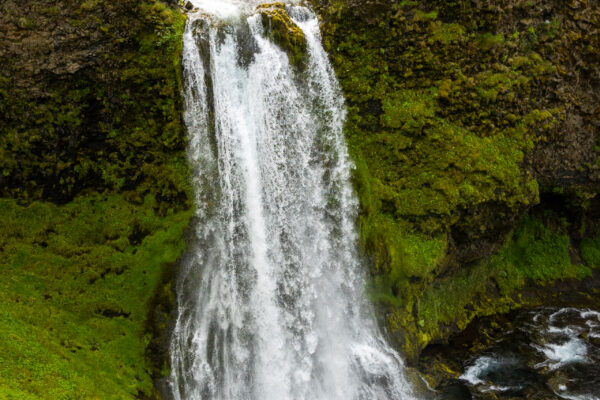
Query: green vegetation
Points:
[446, 103]
[590, 250]
[534, 252]
[284, 31]
[115, 126]
[96, 203]
[76, 289]
[433, 147]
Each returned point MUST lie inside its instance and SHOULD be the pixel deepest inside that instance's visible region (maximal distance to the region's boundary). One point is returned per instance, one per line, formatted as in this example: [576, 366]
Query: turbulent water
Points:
[551, 354]
[270, 298]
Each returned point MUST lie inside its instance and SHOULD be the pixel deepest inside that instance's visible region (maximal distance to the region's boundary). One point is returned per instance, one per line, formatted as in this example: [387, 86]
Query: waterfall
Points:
[270, 295]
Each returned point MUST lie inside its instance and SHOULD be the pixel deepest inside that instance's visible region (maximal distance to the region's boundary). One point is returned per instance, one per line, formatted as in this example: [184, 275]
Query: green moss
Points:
[83, 279]
[25, 23]
[450, 301]
[446, 101]
[408, 110]
[446, 33]
[590, 251]
[427, 126]
[109, 127]
[75, 287]
[283, 31]
[537, 253]
[425, 167]
[533, 253]
[406, 258]
[489, 41]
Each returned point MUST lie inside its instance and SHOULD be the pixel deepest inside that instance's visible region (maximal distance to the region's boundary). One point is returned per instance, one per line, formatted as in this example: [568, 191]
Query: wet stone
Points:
[544, 353]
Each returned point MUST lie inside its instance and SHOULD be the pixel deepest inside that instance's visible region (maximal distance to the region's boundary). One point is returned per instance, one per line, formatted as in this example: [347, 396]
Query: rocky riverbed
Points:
[543, 353]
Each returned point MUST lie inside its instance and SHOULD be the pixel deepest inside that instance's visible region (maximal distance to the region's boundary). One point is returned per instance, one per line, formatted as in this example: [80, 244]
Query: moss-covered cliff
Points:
[463, 116]
[473, 124]
[95, 195]
[90, 98]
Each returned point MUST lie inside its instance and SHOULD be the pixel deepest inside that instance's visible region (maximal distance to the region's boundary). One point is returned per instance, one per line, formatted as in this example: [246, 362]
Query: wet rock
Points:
[189, 5]
[538, 354]
[283, 31]
[558, 382]
[421, 387]
[455, 391]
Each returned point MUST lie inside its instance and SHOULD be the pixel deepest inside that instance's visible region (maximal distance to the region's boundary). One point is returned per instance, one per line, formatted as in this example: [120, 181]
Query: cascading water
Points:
[270, 297]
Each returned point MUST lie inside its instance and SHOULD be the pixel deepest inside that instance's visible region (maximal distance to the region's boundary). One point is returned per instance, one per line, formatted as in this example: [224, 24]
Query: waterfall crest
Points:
[270, 296]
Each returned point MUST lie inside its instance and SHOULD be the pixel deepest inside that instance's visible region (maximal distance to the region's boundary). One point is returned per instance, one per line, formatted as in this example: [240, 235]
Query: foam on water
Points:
[477, 373]
[474, 373]
[226, 9]
[549, 350]
[565, 346]
[557, 355]
[577, 397]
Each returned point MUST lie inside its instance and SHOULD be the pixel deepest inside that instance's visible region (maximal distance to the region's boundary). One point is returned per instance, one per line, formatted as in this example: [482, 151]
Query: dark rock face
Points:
[43, 42]
[568, 158]
[84, 86]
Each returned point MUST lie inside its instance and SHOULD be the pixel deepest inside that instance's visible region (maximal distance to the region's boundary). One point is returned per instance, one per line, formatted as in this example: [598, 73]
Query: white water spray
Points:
[270, 297]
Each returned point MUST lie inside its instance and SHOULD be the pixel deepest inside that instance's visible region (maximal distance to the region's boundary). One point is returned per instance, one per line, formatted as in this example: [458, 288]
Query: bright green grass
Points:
[75, 284]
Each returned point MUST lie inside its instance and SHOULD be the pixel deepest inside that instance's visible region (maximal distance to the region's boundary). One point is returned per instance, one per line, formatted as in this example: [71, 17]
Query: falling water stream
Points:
[270, 296]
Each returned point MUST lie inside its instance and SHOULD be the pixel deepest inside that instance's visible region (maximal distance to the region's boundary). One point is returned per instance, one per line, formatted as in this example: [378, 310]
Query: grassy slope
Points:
[79, 281]
[75, 288]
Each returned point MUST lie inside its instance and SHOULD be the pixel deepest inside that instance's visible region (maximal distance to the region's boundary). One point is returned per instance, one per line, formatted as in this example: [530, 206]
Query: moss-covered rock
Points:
[462, 116]
[90, 98]
[283, 31]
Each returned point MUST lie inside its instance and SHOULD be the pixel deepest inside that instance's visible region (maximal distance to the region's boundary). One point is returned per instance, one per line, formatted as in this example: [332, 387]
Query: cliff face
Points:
[94, 195]
[90, 99]
[474, 127]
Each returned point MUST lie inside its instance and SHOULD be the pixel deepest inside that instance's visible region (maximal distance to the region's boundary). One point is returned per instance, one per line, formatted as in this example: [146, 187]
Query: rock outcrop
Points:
[283, 31]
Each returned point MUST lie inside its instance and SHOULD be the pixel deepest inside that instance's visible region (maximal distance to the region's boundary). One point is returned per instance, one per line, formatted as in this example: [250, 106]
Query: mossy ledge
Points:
[464, 119]
[283, 31]
[94, 195]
